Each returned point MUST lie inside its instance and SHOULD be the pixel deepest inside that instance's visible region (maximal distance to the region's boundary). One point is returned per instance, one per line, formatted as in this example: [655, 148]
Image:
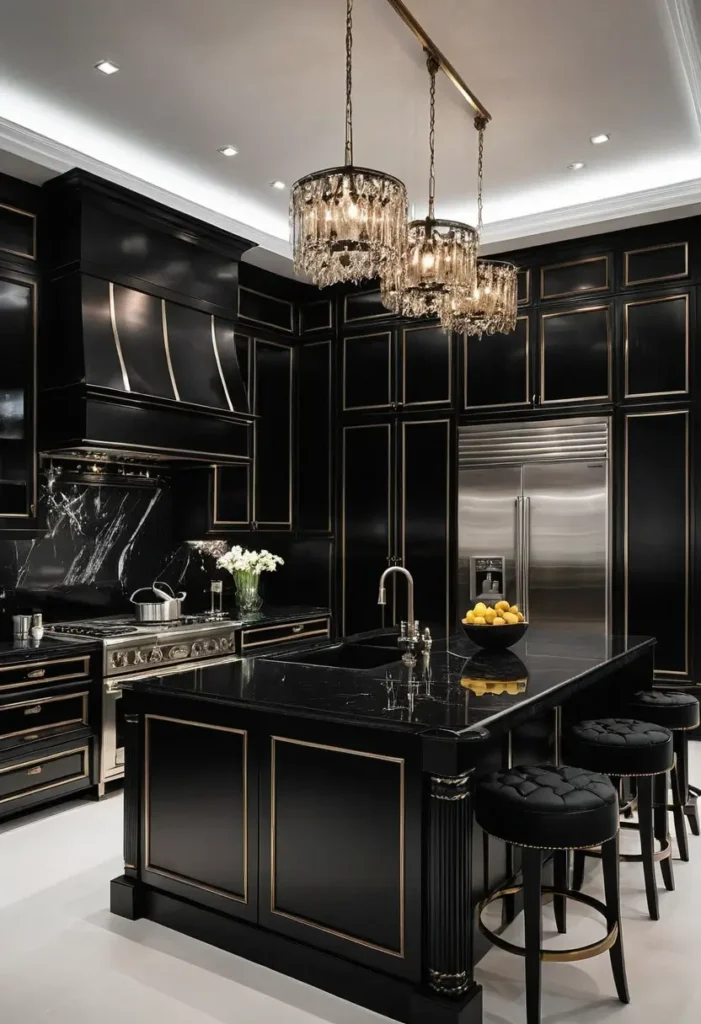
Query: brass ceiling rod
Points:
[443, 62]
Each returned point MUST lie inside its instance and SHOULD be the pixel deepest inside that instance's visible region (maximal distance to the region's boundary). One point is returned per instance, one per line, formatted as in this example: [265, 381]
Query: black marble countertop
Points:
[49, 647]
[269, 616]
[458, 688]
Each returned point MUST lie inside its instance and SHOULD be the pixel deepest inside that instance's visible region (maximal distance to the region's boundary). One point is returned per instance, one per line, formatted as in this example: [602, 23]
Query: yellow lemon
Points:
[510, 618]
[490, 615]
[520, 617]
[514, 609]
[479, 621]
[499, 621]
[480, 608]
[502, 606]
[470, 617]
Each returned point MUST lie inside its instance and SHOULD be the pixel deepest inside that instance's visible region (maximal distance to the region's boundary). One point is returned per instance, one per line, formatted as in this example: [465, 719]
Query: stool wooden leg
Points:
[561, 864]
[647, 843]
[678, 803]
[661, 820]
[533, 920]
[692, 811]
[580, 861]
[610, 864]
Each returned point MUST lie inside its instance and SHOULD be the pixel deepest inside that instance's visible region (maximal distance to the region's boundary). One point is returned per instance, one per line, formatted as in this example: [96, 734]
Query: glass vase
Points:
[247, 597]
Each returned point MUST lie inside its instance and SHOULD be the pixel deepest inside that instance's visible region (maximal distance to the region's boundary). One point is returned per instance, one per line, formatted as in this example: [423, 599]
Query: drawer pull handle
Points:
[34, 771]
[37, 673]
[297, 629]
[34, 710]
[32, 736]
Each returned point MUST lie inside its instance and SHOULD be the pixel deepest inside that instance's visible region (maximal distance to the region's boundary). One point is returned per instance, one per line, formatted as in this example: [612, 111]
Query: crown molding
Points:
[681, 28]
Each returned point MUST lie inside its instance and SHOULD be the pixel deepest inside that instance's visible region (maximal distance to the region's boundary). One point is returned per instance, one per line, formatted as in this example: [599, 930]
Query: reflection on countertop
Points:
[16, 651]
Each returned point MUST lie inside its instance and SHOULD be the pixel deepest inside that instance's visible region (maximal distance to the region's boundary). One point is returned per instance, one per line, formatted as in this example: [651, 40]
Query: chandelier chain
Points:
[349, 83]
[432, 65]
[480, 125]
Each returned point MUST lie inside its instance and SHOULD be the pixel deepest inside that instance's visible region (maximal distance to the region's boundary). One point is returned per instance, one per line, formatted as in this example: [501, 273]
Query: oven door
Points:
[112, 731]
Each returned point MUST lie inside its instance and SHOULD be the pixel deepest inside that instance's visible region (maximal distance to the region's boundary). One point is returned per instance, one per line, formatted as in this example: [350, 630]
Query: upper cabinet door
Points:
[575, 277]
[497, 369]
[656, 347]
[426, 367]
[18, 475]
[575, 355]
[314, 471]
[367, 372]
[273, 435]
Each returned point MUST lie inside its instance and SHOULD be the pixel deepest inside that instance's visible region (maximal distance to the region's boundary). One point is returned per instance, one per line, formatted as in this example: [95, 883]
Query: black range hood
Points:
[139, 353]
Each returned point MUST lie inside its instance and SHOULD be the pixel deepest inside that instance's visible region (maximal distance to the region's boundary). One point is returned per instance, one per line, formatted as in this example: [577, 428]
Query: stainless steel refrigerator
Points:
[534, 519]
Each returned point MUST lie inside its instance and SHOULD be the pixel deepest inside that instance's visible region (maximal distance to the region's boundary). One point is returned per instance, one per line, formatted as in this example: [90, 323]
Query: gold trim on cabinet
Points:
[231, 522]
[324, 327]
[117, 343]
[355, 337]
[294, 635]
[28, 681]
[33, 216]
[34, 728]
[434, 401]
[577, 291]
[219, 367]
[315, 344]
[416, 423]
[362, 426]
[273, 298]
[585, 398]
[359, 319]
[267, 523]
[687, 531]
[526, 301]
[501, 405]
[186, 880]
[665, 277]
[40, 762]
[166, 345]
[651, 302]
[402, 841]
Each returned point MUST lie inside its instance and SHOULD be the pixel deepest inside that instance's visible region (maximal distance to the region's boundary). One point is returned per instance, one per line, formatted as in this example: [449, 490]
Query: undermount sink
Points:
[351, 656]
[385, 640]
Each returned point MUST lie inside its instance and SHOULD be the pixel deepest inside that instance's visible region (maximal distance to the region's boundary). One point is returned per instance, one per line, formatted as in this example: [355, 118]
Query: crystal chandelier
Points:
[491, 305]
[348, 223]
[440, 255]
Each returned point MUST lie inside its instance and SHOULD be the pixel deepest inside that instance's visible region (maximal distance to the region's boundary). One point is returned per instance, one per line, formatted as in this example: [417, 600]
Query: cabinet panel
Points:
[425, 517]
[427, 366]
[657, 347]
[498, 368]
[657, 534]
[266, 310]
[18, 313]
[203, 765]
[273, 435]
[314, 437]
[524, 287]
[367, 372]
[657, 263]
[232, 495]
[366, 536]
[18, 232]
[575, 356]
[364, 306]
[574, 277]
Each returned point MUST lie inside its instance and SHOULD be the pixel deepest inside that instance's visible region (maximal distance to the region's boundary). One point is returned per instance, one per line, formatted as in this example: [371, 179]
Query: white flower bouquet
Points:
[246, 567]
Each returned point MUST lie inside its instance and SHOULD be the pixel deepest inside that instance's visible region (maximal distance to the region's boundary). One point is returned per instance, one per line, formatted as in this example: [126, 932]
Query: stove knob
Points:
[118, 659]
[138, 657]
[196, 649]
[179, 651]
[224, 644]
[155, 655]
[211, 647]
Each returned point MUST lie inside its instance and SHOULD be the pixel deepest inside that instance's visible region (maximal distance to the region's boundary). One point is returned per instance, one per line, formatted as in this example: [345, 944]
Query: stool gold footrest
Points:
[664, 852]
[551, 955]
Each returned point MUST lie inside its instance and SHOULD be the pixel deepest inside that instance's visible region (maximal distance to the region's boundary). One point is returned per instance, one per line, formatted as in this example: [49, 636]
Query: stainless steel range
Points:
[135, 651]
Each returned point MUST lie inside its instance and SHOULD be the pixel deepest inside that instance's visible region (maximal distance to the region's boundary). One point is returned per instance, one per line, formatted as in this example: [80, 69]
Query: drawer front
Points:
[29, 720]
[43, 773]
[13, 677]
[288, 632]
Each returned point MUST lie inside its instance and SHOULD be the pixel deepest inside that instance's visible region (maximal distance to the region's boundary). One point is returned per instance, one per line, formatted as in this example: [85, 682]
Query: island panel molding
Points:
[367, 801]
[178, 756]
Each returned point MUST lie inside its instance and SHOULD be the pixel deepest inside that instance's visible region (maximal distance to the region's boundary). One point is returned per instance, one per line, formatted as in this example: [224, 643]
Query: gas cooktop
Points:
[110, 628]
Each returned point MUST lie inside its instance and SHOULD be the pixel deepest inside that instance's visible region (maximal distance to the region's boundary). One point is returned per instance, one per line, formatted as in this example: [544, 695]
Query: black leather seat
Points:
[628, 748]
[620, 746]
[541, 807]
[548, 807]
[678, 711]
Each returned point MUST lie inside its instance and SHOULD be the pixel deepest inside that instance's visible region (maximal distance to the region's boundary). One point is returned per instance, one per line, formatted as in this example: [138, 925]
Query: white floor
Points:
[65, 959]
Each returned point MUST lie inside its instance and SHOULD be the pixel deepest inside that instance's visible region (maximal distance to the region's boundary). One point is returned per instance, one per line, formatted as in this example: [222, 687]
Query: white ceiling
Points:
[268, 76]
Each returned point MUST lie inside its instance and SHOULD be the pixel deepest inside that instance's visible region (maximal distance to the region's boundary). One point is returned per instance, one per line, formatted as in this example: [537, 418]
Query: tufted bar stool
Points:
[643, 751]
[678, 712]
[543, 807]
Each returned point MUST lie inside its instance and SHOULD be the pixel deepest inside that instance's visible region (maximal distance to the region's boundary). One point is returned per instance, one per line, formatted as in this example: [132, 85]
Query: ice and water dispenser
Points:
[487, 578]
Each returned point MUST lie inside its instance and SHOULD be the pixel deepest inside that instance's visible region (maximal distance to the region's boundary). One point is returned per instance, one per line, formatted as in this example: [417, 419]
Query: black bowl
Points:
[494, 638]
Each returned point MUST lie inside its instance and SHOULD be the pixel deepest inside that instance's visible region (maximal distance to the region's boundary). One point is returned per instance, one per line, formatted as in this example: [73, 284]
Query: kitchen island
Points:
[311, 810]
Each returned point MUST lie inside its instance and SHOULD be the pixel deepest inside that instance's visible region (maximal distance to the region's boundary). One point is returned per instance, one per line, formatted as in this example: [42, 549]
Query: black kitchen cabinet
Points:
[272, 435]
[405, 368]
[497, 369]
[396, 509]
[657, 346]
[314, 471]
[575, 361]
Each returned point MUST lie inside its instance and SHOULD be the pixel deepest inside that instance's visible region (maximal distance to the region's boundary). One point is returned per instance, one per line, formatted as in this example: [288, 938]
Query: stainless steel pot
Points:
[167, 609]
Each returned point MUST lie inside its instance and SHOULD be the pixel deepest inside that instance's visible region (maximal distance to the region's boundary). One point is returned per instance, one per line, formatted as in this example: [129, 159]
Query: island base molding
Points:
[379, 992]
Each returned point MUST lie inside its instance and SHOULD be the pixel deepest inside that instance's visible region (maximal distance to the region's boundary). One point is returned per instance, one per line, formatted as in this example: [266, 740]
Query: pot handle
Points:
[140, 591]
[163, 590]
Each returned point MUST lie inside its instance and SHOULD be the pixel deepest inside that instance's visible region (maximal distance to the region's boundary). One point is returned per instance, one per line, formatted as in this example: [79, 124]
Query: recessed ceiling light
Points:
[107, 67]
[598, 139]
[227, 150]
[576, 166]
[277, 184]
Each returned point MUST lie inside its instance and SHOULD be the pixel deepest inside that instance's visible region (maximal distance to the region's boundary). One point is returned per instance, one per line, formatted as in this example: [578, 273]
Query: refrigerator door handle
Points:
[519, 554]
[526, 555]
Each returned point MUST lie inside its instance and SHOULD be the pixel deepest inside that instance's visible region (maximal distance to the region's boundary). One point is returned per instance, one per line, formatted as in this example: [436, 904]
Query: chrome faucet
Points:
[410, 636]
